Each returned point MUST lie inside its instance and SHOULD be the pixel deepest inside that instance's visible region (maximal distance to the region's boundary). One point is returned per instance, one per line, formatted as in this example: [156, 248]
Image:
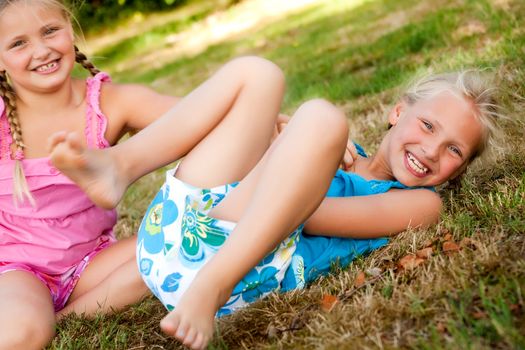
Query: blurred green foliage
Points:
[96, 14]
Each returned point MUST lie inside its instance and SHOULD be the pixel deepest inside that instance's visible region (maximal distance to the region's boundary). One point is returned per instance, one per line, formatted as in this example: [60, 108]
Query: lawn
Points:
[357, 53]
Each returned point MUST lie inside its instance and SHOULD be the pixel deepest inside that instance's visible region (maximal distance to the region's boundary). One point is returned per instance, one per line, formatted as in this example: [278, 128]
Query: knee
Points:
[27, 333]
[260, 70]
[326, 120]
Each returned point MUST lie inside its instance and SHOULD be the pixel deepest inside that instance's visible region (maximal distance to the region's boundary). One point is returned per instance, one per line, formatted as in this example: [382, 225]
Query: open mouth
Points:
[47, 68]
[416, 165]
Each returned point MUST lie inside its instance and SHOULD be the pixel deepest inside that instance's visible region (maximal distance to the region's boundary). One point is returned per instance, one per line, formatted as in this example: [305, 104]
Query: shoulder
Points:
[134, 105]
[132, 98]
[120, 93]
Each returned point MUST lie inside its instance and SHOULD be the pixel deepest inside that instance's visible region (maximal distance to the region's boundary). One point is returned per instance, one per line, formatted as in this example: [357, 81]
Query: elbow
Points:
[434, 214]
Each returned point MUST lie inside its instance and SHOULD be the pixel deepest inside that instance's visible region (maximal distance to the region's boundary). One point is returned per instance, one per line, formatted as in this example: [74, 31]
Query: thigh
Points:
[27, 318]
[103, 264]
[299, 139]
[239, 141]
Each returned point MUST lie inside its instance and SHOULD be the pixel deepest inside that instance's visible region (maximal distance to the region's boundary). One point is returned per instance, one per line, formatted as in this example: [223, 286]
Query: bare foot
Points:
[192, 321]
[95, 171]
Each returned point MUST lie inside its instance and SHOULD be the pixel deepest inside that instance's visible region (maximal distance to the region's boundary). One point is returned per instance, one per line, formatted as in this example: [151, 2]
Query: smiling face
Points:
[36, 46]
[432, 140]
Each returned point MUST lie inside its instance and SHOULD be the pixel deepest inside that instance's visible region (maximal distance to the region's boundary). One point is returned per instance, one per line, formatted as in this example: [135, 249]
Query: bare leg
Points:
[105, 175]
[110, 282]
[282, 191]
[27, 319]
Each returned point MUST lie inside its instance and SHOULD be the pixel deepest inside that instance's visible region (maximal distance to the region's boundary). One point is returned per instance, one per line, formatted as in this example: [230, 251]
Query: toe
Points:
[190, 337]
[198, 343]
[170, 323]
[182, 331]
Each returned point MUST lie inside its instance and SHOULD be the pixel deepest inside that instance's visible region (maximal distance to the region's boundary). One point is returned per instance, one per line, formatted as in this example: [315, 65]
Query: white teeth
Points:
[416, 165]
[46, 67]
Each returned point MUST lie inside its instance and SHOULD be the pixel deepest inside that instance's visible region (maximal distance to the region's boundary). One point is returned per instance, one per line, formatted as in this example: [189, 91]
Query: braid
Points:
[20, 188]
[9, 97]
[83, 60]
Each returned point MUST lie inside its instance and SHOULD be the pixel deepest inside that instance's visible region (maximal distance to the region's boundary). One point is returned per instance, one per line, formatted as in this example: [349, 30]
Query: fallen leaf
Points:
[360, 279]
[430, 242]
[410, 262]
[450, 247]
[425, 253]
[328, 302]
[448, 237]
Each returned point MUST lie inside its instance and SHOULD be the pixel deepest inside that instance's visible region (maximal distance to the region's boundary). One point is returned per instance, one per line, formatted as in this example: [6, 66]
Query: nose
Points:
[431, 151]
[41, 51]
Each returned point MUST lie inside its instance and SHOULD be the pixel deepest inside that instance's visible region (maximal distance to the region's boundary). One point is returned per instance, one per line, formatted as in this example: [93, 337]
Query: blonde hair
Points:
[8, 94]
[477, 87]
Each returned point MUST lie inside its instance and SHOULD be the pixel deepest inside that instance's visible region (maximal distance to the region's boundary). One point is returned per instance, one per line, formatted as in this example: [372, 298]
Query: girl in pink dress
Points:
[58, 253]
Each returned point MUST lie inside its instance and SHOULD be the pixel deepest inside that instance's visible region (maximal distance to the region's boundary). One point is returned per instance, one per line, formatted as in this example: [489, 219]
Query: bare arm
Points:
[376, 215]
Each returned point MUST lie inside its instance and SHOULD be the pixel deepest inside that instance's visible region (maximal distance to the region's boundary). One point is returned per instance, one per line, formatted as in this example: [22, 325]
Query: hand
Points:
[349, 157]
[280, 124]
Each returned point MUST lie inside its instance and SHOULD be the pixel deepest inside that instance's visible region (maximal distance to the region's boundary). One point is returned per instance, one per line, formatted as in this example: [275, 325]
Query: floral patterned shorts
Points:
[177, 237]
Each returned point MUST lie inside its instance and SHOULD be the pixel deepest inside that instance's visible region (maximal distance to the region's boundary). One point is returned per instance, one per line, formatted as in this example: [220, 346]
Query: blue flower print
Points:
[160, 213]
[145, 266]
[171, 282]
[255, 284]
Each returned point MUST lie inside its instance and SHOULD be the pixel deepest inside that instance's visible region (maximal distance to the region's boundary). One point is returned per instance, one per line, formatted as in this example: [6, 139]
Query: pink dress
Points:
[56, 239]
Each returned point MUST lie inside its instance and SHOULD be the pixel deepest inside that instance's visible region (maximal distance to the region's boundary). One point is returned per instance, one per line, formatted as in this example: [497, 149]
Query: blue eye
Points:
[427, 125]
[456, 150]
[15, 44]
[50, 30]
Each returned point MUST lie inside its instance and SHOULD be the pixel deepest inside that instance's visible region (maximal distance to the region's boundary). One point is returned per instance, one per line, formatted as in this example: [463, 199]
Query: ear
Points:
[395, 113]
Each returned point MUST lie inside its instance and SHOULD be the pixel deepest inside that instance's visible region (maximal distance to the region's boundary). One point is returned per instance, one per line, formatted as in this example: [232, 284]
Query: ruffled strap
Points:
[5, 133]
[96, 121]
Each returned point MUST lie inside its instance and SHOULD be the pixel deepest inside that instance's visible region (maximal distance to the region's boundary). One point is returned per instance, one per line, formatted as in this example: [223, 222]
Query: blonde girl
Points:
[58, 253]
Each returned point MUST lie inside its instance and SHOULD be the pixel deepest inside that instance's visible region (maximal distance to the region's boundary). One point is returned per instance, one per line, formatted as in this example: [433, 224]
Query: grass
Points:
[356, 53]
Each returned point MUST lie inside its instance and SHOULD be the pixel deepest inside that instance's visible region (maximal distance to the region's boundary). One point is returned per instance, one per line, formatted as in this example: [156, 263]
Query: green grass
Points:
[357, 54]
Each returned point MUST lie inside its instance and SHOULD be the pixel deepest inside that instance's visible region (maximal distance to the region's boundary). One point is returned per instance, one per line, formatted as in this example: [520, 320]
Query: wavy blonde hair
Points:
[8, 94]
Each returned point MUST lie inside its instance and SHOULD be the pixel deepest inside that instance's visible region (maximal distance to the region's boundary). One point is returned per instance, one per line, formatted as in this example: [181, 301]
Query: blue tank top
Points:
[315, 255]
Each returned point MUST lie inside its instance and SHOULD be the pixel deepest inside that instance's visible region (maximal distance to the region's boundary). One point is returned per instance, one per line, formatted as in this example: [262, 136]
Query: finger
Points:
[352, 149]
[55, 139]
[74, 141]
[348, 160]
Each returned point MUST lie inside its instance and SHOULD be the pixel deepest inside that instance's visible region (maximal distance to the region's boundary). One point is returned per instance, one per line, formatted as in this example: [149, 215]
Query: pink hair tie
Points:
[19, 155]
